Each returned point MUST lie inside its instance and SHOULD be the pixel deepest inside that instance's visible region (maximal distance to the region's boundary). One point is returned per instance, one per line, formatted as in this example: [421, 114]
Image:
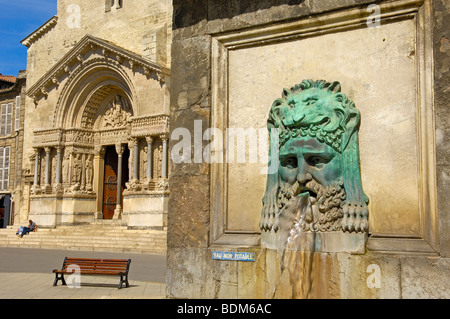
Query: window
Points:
[4, 167]
[17, 114]
[6, 119]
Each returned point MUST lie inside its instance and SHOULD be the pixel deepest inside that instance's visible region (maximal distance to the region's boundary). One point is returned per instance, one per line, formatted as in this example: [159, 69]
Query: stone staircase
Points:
[101, 236]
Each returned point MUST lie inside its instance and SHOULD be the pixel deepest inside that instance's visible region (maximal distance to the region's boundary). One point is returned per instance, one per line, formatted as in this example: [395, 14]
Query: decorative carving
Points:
[65, 168]
[133, 185]
[163, 184]
[144, 161]
[91, 108]
[150, 125]
[77, 168]
[118, 113]
[40, 31]
[158, 158]
[160, 77]
[99, 150]
[89, 172]
[120, 148]
[317, 186]
[112, 136]
[90, 43]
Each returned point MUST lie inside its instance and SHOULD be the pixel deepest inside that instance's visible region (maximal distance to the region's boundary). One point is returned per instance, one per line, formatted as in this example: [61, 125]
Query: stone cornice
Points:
[39, 32]
[75, 56]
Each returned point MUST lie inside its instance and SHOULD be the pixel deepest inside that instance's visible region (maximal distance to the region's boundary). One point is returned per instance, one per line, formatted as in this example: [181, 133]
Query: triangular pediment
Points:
[89, 45]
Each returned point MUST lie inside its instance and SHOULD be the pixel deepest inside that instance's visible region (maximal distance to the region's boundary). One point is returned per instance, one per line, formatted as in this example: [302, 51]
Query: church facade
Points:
[96, 115]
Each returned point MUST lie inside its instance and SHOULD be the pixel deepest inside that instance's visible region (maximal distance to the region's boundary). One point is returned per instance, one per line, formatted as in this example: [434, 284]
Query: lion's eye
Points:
[310, 101]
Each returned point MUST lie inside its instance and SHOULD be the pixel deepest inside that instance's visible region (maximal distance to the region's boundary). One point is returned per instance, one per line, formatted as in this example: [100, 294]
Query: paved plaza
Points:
[27, 274]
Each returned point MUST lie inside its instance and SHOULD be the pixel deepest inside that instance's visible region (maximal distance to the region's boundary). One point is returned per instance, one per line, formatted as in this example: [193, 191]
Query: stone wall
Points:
[143, 27]
[217, 51]
[441, 45]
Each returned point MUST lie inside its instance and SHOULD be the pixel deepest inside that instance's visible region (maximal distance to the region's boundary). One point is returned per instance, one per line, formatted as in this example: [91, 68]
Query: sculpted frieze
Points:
[149, 125]
[47, 137]
[79, 136]
[112, 136]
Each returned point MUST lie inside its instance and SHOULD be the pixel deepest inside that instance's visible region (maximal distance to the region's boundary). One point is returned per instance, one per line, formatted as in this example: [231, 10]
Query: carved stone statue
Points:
[158, 161]
[77, 169]
[144, 162]
[89, 173]
[313, 131]
[65, 168]
[117, 114]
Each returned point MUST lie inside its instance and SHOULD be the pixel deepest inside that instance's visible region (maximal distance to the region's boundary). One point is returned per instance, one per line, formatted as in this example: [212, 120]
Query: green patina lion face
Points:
[317, 126]
[315, 109]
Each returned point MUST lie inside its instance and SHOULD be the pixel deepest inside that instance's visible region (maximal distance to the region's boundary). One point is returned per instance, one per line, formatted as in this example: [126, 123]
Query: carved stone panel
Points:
[389, 83]
[117, 114]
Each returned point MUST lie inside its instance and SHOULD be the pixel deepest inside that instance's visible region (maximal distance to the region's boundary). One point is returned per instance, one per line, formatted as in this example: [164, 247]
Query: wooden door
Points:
[110, 180]
[110, 183]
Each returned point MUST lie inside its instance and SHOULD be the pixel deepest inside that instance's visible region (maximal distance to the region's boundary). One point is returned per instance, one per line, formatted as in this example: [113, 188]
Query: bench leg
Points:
[123, 279]
[58, 278]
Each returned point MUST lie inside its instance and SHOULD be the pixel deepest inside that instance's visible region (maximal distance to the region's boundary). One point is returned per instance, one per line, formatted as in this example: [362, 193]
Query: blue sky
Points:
[18, 19]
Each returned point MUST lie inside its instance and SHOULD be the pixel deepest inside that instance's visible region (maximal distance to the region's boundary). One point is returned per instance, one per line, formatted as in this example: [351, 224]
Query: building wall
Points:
[215, 46]
[441, 38]
[15, 142]
[142, 27]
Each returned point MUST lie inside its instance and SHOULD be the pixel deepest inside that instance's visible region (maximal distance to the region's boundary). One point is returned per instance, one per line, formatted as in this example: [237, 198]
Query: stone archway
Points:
[101, 96]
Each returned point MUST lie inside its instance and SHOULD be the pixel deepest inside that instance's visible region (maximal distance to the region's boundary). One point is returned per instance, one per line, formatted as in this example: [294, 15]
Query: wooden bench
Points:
[90, 266]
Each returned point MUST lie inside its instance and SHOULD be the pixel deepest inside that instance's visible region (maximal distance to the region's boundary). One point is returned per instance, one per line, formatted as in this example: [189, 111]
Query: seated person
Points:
[32, 225]
[25, 230]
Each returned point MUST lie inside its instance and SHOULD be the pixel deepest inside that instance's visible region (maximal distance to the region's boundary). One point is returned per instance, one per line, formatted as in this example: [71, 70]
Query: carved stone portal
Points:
[316, 187]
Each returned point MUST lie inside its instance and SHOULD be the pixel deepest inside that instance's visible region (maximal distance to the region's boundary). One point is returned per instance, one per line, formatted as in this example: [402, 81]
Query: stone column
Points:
[47, 166]
[58, 164]
[136, 159]
[118, 210]
[149, 140]
[47, 189]
[99, 171]
[164, 157]
[58, 188]
[36, 167]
